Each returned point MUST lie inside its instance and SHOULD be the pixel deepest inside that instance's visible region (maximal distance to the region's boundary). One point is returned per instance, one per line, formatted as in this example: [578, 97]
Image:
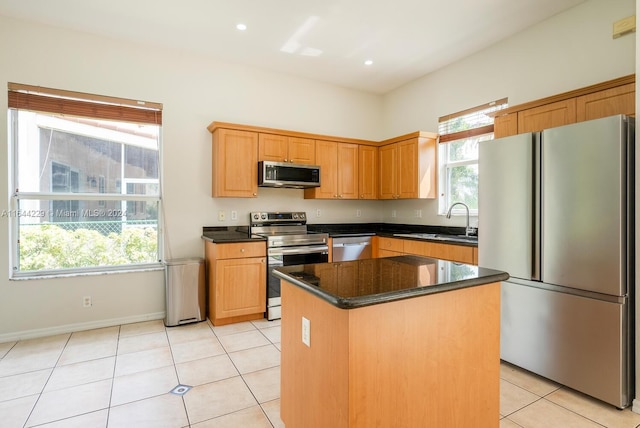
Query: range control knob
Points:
[264, 216]
[295, 216]
[301, 216]
[256, 216]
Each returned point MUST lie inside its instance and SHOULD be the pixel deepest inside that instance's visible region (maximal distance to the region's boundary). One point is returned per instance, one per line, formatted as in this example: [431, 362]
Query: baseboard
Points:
[70, 328]
[635, 408]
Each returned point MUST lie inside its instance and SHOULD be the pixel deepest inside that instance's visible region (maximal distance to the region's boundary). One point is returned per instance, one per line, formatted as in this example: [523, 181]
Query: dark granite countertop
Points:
[354, 284]
[391, 230]
[227, 235]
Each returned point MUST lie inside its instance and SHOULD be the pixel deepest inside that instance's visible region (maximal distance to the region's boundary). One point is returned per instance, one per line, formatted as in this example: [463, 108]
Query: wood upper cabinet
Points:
[547, 116]
[619, 100]
[408, 169]
[338, 171]
[282, 148]
[609, 98]
[504, 126]
[237, 281]
[234, 164]
[367, 172]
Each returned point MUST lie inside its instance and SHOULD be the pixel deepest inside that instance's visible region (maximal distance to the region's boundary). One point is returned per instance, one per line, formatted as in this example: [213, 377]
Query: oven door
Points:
[288, 256]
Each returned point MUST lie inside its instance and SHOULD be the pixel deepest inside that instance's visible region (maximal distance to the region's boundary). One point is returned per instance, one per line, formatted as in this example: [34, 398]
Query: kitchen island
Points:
[393, 342]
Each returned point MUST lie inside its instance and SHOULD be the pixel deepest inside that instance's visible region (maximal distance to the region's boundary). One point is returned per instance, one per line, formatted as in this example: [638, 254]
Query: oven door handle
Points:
[298, 250]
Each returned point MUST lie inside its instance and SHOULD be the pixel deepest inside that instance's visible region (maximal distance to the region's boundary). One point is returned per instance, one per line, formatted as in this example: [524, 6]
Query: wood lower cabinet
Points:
[282, 148]
[452, 252]
[429, 361]
[547, 116]
[389, 247]
[234, 164]
[237, 275]
[338, 171]
[408, 169]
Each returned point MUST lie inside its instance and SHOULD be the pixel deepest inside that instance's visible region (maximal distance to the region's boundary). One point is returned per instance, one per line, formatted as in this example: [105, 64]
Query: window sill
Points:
[31, 276]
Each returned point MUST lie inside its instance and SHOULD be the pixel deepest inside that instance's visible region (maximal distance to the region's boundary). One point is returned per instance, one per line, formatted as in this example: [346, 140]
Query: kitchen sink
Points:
[439, 237]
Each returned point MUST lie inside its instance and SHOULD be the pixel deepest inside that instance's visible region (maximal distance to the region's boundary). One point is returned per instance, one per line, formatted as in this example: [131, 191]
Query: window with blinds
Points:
[460, 134]
[86, 179]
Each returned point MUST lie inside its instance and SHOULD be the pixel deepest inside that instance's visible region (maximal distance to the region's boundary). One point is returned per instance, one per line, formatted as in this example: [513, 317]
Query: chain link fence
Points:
[104, 227]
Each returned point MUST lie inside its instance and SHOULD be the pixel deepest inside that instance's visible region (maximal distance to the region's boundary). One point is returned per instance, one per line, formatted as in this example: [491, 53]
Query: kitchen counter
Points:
[383, 280]
[392, 230]
[402, 341]
[221, 235]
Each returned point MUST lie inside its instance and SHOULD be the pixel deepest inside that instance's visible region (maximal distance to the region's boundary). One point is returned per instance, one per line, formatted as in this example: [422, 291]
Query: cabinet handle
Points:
[255, 194]
[291, 161]
[242, 250]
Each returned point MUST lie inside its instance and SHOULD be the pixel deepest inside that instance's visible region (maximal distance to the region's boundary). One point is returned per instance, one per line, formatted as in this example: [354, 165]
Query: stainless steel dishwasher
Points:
[347, 248]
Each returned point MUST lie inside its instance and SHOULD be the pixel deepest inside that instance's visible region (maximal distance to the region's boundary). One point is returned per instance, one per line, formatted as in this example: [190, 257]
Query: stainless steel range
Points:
[288, 243]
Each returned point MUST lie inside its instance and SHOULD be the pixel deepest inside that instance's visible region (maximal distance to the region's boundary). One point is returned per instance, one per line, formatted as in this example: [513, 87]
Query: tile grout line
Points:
[48, 379]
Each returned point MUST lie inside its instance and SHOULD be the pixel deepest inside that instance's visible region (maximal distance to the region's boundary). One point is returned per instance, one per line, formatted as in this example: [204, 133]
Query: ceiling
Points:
[325, 40]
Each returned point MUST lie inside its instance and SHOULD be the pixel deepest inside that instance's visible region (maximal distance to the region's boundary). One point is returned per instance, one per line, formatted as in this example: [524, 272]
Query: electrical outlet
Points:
[86, 302]
[234, 215]
[318, 212]
[221, 215]
[419, 213]
[358, 213]
[306, 332]
[393, 213]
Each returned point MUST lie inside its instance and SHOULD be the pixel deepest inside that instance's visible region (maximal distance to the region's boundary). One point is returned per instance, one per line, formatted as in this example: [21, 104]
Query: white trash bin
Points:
[185, 291]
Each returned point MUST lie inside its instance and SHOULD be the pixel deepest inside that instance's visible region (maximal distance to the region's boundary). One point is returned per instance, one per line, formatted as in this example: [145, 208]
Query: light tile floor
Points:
[121, 377]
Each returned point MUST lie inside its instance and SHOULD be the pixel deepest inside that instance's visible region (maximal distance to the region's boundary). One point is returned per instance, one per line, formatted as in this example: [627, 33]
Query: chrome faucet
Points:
[467, 229]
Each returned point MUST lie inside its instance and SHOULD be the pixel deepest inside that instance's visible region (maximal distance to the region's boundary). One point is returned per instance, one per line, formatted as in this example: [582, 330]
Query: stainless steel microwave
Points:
[282, 174]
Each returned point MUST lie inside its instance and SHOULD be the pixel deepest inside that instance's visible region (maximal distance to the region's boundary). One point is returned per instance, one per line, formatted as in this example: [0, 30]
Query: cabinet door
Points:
[407, 169]
[619, 100]
[234, 164]
[547, 116]
[387, 182]
[272, 148]
[240, 287]
[368, 172]
[347, 169]
[327, 159]
[504, 126]
[390, 244]
[302, 151]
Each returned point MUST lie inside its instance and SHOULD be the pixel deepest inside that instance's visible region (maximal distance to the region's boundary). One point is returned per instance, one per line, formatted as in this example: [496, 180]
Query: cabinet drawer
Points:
[456, 253]
[391, 244]
[241, 250]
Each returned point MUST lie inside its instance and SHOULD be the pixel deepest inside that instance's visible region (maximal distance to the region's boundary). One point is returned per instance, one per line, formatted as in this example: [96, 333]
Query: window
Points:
[71, 153]
[460, 135]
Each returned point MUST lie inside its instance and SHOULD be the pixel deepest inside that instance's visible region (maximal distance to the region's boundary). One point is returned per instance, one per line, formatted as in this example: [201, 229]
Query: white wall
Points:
[195, 91]
[568, 51]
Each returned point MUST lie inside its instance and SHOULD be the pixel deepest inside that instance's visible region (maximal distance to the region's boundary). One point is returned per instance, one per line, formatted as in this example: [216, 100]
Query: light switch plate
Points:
[306, 332]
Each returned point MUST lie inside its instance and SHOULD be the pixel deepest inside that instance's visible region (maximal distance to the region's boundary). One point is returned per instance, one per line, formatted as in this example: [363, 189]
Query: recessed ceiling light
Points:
[368, 62]
[241, 27]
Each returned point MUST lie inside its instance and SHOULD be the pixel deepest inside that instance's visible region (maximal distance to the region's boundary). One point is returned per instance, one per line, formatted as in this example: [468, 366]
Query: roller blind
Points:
[470, 122]
[68, 103]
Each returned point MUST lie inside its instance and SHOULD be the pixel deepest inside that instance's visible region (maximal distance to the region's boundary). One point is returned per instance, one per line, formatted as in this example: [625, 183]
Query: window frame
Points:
[447, 137]
[149, 113]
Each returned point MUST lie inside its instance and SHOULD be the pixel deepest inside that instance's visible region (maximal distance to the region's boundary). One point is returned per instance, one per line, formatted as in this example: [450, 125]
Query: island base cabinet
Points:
[429, 361]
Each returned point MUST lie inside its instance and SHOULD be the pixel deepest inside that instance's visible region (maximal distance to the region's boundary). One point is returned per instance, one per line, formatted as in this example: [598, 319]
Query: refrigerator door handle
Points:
[536, 205]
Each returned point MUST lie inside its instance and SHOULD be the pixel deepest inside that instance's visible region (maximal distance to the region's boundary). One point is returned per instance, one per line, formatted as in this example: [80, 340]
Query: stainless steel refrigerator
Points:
[556, 211]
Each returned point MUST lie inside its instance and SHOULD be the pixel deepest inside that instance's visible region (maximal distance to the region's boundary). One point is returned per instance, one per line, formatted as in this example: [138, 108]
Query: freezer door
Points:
[506, 205]
[580, 342]
[584, 206]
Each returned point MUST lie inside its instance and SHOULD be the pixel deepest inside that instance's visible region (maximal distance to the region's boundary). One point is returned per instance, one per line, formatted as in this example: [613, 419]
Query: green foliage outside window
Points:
[50, 247]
